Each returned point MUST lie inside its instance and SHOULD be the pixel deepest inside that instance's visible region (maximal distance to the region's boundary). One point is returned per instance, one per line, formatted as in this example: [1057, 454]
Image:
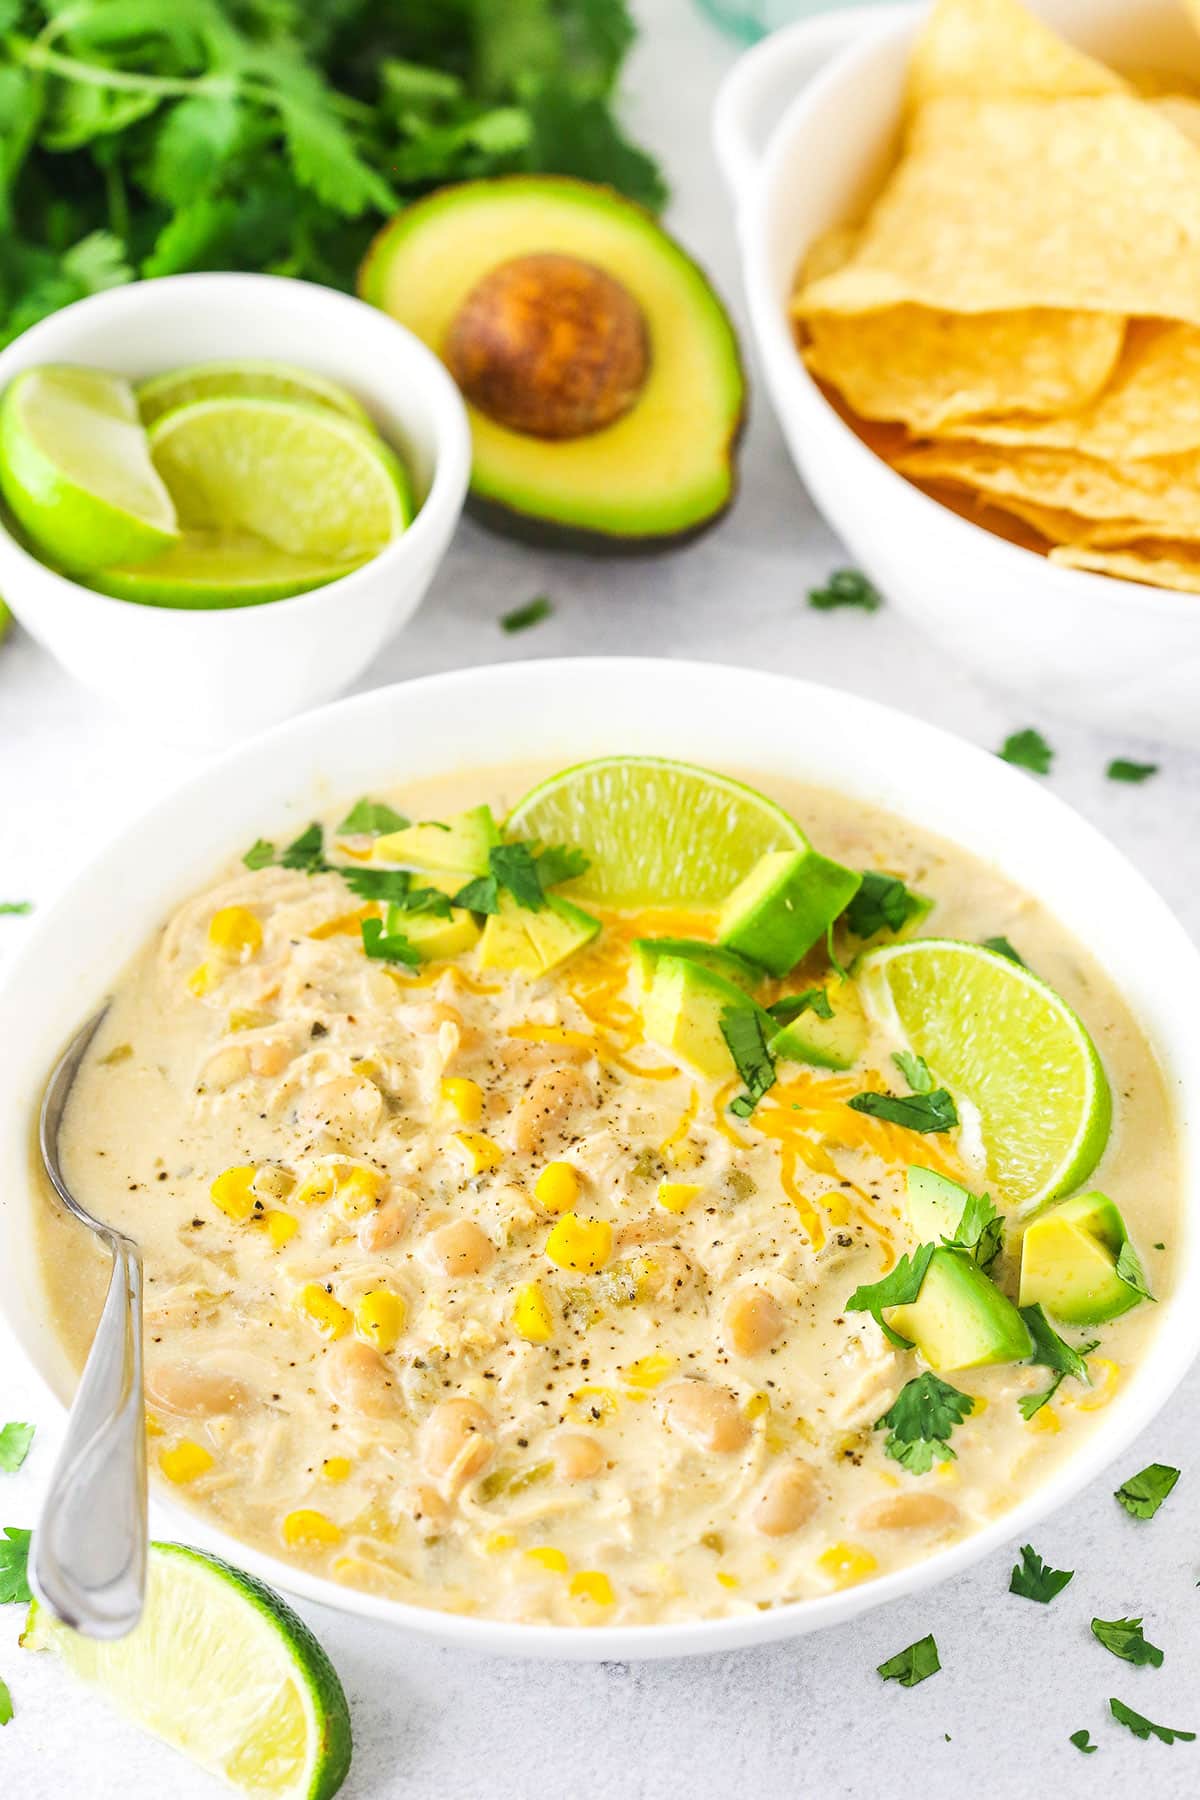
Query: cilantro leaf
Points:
[377, 884]
[917, 1663]
[14, 1446]
[1082, 1740]
[371, 818]
[260, 855]
[14, 1560]
[744, 1032]
[1033, 1579]
[915, 1071]
[846, 587]
[899, 1287]
[307, 852]
[980, 1231]
[386, 946]
[481, 895]
[532, 613]
[560, 862]
[428, 900]
[1130, 1271]
[1124, 1637]
[920, 1420]
[6, 1705]
[514, 867]
[16, 906]
[882, 903]
[1052, 1352]
[1002, 947]
[1142, 1728]
[1144, 1493]
[917, 1112]
[791, 1006]
[1120, 769]
[1027, 750]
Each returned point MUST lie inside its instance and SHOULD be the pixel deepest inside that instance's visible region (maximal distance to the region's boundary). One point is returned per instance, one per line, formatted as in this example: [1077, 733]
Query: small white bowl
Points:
[563, 712]
[1117, 653]
[209, 677]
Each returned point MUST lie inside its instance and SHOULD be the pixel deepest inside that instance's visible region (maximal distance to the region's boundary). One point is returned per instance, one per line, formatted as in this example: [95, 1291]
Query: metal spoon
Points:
[89, 1550]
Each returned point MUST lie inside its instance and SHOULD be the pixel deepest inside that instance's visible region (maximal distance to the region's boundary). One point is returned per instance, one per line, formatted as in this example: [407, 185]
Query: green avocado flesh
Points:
[661, 471]
[728, 963]
[787, 901]
[682, 1008]
[960, 1319]
[432, 938]
[462, 842]
[935, 1204]
[532, 943]
[835, 1043]
[1069, 1262]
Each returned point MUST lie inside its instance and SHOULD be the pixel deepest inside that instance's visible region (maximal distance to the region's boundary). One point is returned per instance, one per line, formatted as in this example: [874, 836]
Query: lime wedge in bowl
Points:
[270, 380]
[222, 1669]
[209, 569]
[76, 472]
[997, 1036]
[656, 832]
[299, 476]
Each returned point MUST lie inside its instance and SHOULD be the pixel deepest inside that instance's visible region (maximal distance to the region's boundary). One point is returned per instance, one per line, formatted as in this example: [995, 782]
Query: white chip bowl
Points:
[207, 678]
[805, 127]
[561, 712]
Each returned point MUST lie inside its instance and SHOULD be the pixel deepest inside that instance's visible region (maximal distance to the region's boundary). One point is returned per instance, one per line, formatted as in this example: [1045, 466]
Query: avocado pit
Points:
[549, 345]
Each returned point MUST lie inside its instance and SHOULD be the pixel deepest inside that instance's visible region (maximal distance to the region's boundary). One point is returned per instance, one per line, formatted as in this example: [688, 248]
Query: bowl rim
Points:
[446, 412]
[1172, 1348]
[881, 32]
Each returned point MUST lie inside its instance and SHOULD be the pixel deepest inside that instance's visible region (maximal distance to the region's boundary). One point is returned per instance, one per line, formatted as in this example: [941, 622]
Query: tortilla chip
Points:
[1164, 565]
[1161, 494]
[995, 50]
[1150, 407]
[832, 250]
[1090, 205]
[1183, 110]
[926, 367]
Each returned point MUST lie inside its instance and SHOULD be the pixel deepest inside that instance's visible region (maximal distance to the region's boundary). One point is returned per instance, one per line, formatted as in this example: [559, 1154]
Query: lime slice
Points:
[76, 472]
[296, 475]
[222, 1669]
[997, 1036]
[270, 380]
[206, 569]
[657, 832]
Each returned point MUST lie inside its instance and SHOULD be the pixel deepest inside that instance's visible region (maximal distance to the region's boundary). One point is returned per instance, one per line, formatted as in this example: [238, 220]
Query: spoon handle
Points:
[89, 1552]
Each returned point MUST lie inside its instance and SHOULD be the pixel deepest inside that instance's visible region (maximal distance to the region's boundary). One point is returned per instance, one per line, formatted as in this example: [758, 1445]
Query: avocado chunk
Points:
[960, 1319]
[462, 842]
[531, 943]
[1075, 1260]
[602, 376]
[835, 1043]
[935, 1204]
[728, 963]
[433, 938]
[682, 1010]
[789, 899]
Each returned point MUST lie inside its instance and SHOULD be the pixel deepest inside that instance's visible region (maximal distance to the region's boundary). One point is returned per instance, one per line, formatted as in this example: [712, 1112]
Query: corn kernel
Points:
[357, 1191]
[1045, 1419]
[686, 1154]
[153, 1428]
[584, 1245]
[328, 1315]
[979, 1405]
[531, 1315]
[379, 1319]
[837, 1209]
[557, 1187]
[1106, 1377]
[847, 1563]
[185, 1462]
[235, 931]
[233, 1192]
[648, 1371]
[547, 1557]
[756, 1406]
[726, 1580]
[481, 1153]
[462, 1098]
[677, 1196]
[317, 1188]
[592, 1405]
[202, 979]
[281, 1228]
[248, 1018]
[309, 1528]
[336, 1468]
[593, 1585]
[498, 1541]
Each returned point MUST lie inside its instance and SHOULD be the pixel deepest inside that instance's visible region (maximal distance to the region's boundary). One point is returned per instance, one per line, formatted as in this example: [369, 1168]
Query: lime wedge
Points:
[270, 380]
[222, 1669]
[301, 477]
[76, 472]
[997, 1036]
[657, 832]
[207, 569]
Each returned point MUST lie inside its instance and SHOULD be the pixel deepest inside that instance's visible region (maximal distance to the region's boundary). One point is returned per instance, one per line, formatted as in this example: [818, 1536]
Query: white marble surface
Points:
[810, 1719]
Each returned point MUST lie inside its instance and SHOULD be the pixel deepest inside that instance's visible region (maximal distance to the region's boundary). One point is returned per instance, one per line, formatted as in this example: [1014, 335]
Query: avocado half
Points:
[601, 372]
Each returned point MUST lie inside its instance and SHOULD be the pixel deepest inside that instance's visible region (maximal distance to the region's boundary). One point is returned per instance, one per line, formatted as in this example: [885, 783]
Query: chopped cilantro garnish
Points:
[1125, 1639]
[918, 1112]
[980, 1230]
[371, 818]
[1082, 1740]
[16, 907]
[920, 1421]
[558, 863]
[743, 1030]
[307, 852]
[6, 1705]
[515, 869]
[846, 587]
[1033, 1579]
[1028, 750]
[14, 1561]
[1002, 947]
[1052, 1352]
[1142, 1728]
[526, 876]
[1121, 769]
[792, 1005]
[429, 900]
[532, 613]
[482, 895]
[899, 1287]
[915, 1071]
[376, 884]
[917, 1663]
[1130, 1271]
[1144, 1493]
[14, 1446]
[260, 855]
[387, 946]
[882, 903]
